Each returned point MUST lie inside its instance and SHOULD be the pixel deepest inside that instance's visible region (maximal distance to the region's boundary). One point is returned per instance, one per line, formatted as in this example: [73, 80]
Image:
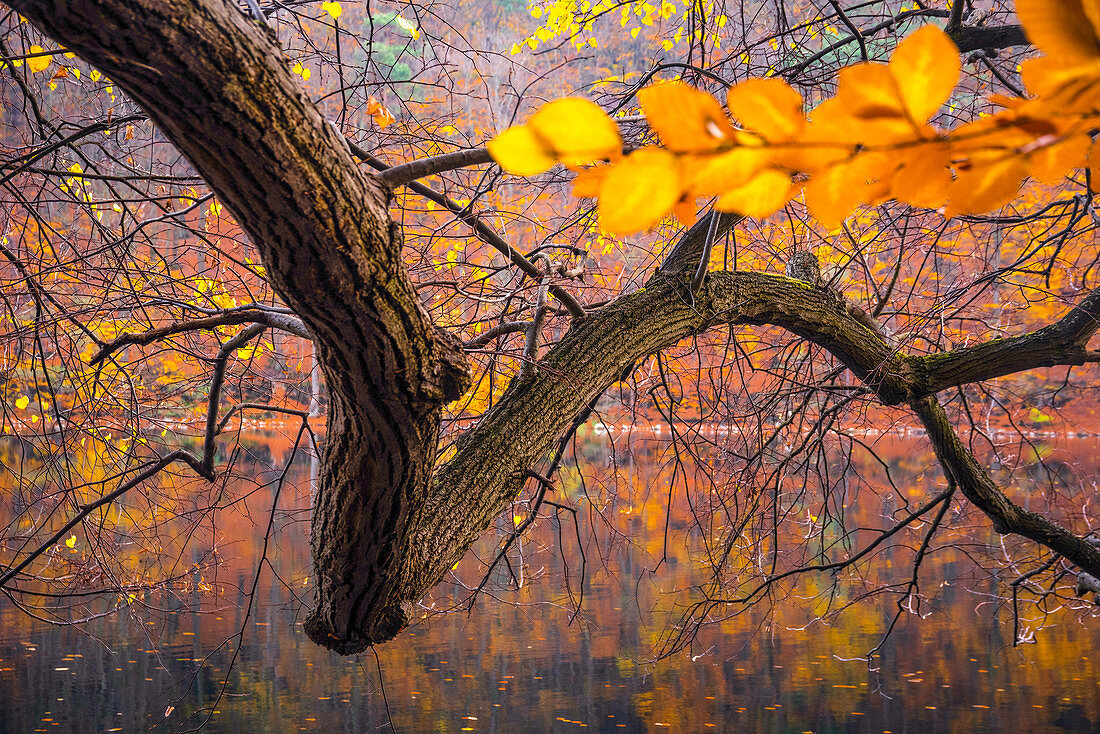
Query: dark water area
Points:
[529, 660]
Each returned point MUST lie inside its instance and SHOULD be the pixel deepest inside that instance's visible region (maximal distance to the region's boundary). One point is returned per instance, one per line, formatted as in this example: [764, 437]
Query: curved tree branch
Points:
[285, 322]
[983, 492]
[407, 172]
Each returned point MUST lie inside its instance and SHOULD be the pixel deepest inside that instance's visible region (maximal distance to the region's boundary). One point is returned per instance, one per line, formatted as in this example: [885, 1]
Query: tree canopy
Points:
[466, 322]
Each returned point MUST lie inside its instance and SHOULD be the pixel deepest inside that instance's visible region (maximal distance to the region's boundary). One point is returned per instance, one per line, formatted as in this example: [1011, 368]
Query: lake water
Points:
[533, 660]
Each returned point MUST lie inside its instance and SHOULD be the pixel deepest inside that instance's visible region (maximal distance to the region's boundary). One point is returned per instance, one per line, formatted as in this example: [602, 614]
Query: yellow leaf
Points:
[22, 402]
[38, 63]
[762, 196]
[249, 350]
[1062, 29]
[924, 177]
[520, 151]
[577, 131]
[984, 185]
[728, 170]
[71, 541]
[869, 91]
[768, 107]
[926, 66]
[411, 29]
[639, 191]
[832, 194]
[1051, 162]
[686, 119]
[332, 8]
[1037, 416]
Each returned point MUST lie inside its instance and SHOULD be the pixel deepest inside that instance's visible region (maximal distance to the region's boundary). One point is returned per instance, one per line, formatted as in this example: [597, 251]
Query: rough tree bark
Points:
[388, 523]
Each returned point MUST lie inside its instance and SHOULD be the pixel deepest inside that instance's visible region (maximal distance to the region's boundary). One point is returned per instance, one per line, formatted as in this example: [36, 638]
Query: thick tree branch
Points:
[977, 38]
[536, 408]
[984, 493]
[966, 38]
[217, 85]
[1062, 343]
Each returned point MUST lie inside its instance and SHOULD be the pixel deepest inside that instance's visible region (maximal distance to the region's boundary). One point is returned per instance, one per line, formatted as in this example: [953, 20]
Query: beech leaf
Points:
[639, 191]
[520, 151]
[1062, 29]
[986, 185]
[926, 66]
[686, 119]
[38, 63]
[577, 131]
[768, 107]
[762, 196]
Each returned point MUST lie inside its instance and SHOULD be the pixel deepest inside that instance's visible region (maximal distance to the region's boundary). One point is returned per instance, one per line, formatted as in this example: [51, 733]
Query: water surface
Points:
[533, 660]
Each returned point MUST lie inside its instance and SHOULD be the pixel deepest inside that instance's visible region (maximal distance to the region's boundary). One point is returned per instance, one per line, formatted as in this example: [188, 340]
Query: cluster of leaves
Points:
[870, 143]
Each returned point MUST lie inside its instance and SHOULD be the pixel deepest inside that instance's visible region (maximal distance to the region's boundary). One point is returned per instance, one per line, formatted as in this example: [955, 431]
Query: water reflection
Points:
[530, 660]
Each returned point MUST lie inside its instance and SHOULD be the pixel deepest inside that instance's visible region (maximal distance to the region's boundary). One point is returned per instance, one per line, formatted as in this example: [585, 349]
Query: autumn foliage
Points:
[874, 141]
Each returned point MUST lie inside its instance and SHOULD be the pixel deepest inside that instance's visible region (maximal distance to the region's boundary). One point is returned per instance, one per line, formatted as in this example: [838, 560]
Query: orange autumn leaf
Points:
[639, 191]
[926, 67]
[728, 170]
[1067, 30]
[923, 177]
[762, 196]
[869, 91]
[768, 107]
[1049, 163]
[984, 185]
[686, 119]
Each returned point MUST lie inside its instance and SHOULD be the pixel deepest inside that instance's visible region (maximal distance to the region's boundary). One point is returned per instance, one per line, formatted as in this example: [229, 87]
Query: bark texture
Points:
[386, 526]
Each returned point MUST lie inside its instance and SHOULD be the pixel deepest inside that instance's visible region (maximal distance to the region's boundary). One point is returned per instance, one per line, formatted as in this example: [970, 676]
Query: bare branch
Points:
[220, 364]
[484, 231]
[508, 327]
[269, 319]
[404, 173]
[85, 510]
